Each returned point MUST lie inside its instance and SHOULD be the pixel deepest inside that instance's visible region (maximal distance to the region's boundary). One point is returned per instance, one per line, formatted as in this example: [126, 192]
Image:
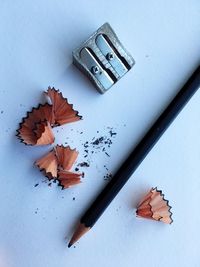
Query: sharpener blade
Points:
[110, 55]
[92, 63]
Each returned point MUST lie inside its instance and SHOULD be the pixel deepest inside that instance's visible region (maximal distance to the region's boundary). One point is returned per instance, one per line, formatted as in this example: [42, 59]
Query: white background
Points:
[36, 41]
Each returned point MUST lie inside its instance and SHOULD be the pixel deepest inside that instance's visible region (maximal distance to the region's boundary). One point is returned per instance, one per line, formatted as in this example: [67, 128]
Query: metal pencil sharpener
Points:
[103, 58]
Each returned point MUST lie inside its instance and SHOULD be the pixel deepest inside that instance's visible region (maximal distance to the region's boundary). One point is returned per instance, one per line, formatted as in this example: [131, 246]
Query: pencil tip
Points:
[80, 231]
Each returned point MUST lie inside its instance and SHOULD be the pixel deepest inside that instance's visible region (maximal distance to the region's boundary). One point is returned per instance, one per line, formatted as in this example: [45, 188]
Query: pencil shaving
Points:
[35, 128]
[67, 179]
[44, 134]
[32, 127]
[154, 206]
[48, 164]
[62, 111]
[66, 156]
[57, 164]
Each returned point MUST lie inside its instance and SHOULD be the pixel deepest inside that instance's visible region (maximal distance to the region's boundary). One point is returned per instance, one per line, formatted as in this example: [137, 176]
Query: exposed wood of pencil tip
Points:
[80, 231]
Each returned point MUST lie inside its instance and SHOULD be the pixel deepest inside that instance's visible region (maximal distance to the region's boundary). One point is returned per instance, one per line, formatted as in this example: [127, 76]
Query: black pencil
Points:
[137, 156]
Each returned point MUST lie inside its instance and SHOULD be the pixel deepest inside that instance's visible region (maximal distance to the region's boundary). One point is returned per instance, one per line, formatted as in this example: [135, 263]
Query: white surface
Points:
[36, 41]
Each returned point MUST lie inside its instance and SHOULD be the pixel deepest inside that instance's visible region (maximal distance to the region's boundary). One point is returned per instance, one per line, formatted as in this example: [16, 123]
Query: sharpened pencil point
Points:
[69, 245]
[80, 231]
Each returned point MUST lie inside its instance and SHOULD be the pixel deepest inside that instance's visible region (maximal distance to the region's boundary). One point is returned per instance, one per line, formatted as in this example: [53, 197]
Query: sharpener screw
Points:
[95, 69]
[110, 56]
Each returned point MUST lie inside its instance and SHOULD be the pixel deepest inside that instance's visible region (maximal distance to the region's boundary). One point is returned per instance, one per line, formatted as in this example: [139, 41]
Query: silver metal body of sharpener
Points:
[103, 58]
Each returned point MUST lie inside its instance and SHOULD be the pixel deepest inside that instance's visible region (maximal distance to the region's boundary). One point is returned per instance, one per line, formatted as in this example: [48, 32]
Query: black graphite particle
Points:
[108, 176]
[112, 133]
[73, 198]
[107, 154]
[81, 132]
[83, 174]
[98, 141]
[36, 185]
[86, 150]
[76, 169]
[1, 111]
[84, 164]
[86, 145]
[49, 184]
[36, 211]
[108, 142]
[105, 167]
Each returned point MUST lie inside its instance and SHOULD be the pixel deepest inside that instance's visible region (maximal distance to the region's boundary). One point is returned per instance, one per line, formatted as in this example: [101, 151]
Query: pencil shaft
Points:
[141, 150]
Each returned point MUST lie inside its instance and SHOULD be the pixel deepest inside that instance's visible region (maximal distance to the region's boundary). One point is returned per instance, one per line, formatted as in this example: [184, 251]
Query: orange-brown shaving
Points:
[57, 164]
[154, 206]
[35, 128]
[62, 111]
